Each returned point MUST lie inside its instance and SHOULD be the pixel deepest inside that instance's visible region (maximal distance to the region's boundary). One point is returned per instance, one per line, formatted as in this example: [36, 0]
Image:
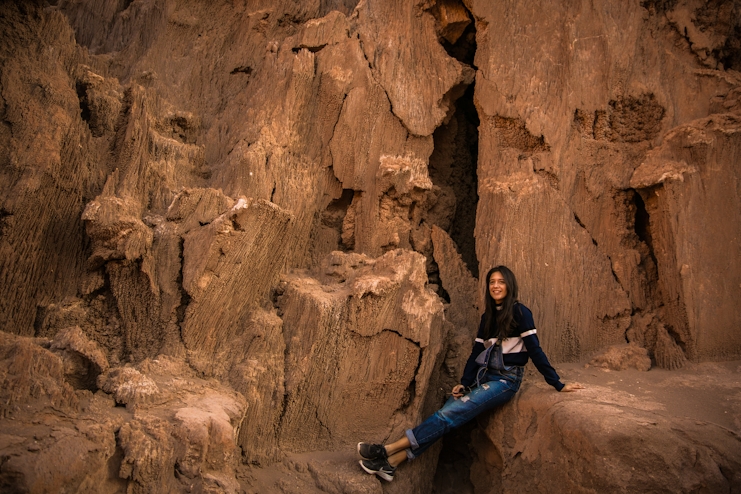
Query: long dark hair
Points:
[505, 317]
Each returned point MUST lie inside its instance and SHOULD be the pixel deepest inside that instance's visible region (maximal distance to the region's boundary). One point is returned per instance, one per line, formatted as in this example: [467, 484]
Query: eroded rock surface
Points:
[361, 349]
[614, 438]
[234, 237]
[176, 432]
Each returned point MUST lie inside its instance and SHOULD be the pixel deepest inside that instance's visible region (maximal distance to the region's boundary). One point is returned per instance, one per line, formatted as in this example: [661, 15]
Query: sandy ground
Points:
[708, 392]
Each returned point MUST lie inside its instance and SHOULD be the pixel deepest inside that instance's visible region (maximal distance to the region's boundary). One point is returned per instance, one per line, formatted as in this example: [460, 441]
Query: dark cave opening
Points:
[3, 220]
[333, 217]
[464, 49]
[81, 89]
[454, 463]
[641, 219]
[452, 167]
[642, 227]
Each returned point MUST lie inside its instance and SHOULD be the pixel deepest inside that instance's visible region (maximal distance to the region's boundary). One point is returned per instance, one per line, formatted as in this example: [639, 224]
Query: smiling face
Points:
[497, 287]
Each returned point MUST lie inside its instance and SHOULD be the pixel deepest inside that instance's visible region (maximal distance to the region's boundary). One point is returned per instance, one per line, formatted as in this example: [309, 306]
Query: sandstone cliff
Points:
[238, 236]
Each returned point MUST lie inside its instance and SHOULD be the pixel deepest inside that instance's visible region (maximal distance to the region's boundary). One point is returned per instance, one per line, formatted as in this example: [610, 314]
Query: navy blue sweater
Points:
[521, 345]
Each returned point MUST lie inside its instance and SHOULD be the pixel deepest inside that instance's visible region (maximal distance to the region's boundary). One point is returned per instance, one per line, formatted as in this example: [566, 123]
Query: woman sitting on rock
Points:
[492, 376]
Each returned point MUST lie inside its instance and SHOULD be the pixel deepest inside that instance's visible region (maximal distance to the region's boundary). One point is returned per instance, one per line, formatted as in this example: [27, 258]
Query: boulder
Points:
[621, 357]
[600, 440]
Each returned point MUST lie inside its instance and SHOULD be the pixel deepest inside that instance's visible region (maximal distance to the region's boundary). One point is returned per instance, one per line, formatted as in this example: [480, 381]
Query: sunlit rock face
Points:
[240, 237]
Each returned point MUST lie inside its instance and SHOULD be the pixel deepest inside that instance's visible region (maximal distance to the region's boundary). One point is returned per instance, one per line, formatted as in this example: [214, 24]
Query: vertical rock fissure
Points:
[659, 313]
[648, 263]
[180, 310]
[332, 220]
[4, 216]
[642, 225]
[453, 168]
[454, 160]
[411, 390]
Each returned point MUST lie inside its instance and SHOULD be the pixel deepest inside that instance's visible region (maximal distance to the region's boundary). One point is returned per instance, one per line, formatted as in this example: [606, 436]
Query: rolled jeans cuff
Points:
[412, 439]
[413, 444]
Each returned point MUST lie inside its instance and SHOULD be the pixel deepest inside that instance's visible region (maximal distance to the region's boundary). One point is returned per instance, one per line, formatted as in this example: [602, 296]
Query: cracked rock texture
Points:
[237, 237]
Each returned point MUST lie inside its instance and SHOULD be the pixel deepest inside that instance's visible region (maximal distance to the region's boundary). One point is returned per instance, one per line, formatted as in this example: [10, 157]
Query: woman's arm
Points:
[527, 331]
[536, 354]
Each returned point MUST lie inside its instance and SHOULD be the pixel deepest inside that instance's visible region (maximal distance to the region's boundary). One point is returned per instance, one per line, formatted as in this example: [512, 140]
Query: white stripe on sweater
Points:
[510, 345]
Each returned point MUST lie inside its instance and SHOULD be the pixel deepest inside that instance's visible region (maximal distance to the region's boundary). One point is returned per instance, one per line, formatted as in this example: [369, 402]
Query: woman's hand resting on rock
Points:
[571, 387]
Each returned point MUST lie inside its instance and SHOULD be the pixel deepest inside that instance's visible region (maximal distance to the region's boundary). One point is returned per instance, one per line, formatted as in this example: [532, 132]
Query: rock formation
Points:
[238, 237]
[597, 442]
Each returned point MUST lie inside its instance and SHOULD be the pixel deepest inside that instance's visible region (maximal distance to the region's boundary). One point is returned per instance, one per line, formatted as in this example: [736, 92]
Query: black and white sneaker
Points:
[380, 467]
[372, 451]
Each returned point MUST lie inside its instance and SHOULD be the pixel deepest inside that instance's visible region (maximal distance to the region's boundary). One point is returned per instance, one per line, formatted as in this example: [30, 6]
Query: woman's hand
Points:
[459, 390]
[571, 387]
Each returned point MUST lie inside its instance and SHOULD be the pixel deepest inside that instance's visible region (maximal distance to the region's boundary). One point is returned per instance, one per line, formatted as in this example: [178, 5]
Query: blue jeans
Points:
[497, 388]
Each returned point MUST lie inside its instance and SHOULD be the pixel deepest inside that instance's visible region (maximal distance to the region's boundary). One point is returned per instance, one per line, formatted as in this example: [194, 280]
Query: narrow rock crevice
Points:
[337, 121]
[594, 242]
[242, 69]
[330, 231]
[454, 160]
[441, 291]
[581, 224]
[312, 49]
[181, 309]
[656, 330]
[677, 338]
[456, 457]
[411, 389]
[614, 274]
[408, 339]
[84, 105]
[453, 168]
[642, 228]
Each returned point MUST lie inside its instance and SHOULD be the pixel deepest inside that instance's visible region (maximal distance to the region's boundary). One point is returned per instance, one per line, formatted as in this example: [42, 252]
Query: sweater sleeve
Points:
[469, 371]
[538, 357]
[535, 352]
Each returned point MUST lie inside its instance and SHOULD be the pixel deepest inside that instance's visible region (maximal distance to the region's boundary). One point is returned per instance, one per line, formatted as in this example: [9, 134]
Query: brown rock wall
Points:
[42, 163]
[592, 101]
[260, 377]
[32, 373]
[177, 432]
[690, 235]
[235, 258]
[387, 26]
[574, 317]
[165, 164]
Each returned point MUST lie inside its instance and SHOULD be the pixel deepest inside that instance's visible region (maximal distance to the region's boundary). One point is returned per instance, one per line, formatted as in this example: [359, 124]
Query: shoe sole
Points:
[380, 473]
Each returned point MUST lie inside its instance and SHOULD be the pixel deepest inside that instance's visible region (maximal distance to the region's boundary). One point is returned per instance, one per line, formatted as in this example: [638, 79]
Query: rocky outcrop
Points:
[688, 235]
[177, 432]
[32, 373]
[362, 342]
[621, 357]
[228, 266]
[601, 440]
